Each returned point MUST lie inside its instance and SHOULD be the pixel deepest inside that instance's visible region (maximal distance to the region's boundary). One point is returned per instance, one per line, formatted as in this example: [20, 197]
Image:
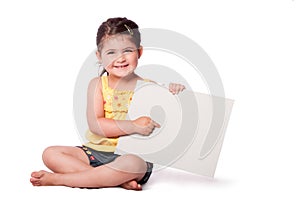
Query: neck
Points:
[123, 83]
[127, 78]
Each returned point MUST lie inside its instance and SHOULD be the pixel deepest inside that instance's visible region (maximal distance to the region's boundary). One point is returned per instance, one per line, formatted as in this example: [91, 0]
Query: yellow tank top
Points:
[115, 104]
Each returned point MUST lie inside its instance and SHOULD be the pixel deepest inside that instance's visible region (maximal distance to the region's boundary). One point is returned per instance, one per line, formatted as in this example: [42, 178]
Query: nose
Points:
[120, 58]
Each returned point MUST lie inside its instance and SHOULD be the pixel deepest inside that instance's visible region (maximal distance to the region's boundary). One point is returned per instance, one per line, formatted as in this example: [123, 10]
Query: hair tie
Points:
[129, 29]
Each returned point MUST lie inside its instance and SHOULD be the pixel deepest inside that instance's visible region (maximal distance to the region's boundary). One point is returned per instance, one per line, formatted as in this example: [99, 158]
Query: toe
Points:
[36, 174]
[35, 182]
[132, 185]
[139, 187]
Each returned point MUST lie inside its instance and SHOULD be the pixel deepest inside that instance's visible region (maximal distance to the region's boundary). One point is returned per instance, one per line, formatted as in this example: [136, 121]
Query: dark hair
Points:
[117, 25]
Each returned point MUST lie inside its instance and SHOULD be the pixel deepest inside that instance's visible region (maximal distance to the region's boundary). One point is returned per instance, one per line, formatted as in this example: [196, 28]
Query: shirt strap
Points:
[104, 81]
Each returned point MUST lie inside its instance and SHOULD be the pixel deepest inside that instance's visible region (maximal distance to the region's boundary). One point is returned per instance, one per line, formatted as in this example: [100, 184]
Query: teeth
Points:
[122, 66]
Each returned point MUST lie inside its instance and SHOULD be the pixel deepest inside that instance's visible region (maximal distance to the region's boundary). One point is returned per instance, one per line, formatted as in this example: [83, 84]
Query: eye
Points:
[110, 53]
[128, 51]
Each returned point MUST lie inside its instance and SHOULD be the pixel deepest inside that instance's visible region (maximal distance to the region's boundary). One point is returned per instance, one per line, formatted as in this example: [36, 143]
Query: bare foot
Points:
[41, 178]
[131, 185]
[44, 178]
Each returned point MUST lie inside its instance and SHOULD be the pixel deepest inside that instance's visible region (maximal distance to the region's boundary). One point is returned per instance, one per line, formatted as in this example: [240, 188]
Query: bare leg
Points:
[126, 170]
[61, 159]
[65, 159]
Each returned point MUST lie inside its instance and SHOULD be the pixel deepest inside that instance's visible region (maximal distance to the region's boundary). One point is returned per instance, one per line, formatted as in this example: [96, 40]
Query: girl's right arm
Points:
[100, 125]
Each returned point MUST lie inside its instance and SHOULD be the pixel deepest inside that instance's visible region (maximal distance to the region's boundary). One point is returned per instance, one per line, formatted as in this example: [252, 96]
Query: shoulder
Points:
[95, 83]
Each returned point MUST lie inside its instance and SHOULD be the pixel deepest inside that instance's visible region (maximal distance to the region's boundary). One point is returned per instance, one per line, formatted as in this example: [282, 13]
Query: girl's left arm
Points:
[174, 88]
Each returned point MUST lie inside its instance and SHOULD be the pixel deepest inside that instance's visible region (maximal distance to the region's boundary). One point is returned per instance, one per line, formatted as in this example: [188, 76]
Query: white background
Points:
[254, 44]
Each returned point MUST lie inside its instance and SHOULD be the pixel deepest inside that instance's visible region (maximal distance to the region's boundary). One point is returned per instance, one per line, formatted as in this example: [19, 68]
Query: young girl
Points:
[94, 165]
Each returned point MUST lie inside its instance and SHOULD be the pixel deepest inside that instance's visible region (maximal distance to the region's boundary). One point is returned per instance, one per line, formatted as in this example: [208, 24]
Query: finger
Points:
[151, 126]
[171, 87]
[177, 88]
[182, 88]
[172, 90]
[146, 133]
[149, 131]
[157, 125]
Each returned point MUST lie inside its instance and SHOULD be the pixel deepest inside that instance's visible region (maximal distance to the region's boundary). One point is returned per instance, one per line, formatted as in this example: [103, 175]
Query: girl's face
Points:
[119, 55]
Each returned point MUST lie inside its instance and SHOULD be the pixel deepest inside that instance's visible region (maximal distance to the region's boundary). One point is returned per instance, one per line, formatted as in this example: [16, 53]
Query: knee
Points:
[49, 154]
[132, 163]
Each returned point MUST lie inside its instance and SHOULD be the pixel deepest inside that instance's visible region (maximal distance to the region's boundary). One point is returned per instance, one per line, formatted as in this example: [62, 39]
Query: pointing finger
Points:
[157, 125]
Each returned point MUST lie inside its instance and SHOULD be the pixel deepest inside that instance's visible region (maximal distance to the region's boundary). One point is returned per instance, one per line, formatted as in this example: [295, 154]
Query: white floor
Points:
[240, 174]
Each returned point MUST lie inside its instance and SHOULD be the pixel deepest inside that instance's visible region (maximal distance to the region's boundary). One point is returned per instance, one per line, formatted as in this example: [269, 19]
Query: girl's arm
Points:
[174, 88]
[100, 125]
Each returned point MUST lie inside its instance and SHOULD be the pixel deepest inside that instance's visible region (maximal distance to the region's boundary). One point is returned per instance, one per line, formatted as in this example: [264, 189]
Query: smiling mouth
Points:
[121, 66]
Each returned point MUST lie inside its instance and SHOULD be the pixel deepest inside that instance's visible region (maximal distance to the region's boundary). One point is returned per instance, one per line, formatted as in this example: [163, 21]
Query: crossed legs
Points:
[71, 168]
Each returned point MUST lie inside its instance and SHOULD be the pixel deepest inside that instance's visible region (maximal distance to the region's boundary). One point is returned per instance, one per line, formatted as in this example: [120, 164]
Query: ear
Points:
[98, 56]
[140, 51]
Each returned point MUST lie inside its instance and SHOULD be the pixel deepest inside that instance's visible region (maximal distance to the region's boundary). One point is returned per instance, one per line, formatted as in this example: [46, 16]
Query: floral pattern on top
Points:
[115, 102]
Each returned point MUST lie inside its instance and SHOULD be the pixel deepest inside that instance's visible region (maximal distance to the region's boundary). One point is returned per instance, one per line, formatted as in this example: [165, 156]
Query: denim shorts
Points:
[98, 158]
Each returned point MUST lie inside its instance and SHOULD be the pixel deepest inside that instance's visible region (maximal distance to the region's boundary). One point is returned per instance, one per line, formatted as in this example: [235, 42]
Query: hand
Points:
[175, 88]
[145, 125]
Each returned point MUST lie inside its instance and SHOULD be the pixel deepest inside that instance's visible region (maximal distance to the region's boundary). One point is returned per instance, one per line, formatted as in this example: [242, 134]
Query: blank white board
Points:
[192, 128]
